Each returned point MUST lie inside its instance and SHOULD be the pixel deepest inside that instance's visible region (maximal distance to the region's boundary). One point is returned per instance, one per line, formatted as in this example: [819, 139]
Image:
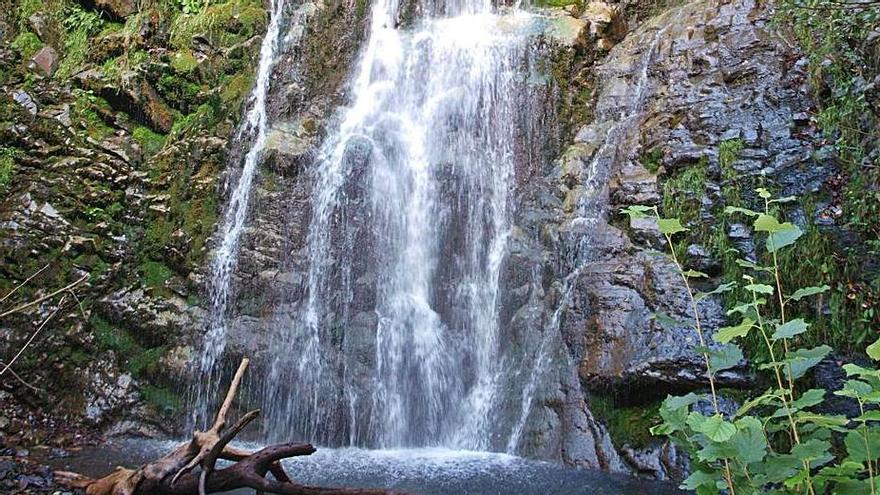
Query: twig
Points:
[30, 340]
[19, 286]
[49, 296]
[20, 379]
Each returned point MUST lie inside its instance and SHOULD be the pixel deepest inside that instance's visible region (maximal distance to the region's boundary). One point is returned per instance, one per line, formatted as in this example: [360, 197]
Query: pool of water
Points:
[419, 471]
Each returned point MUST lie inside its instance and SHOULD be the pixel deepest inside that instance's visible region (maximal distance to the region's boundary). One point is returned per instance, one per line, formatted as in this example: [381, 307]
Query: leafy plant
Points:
[7, 166]
[775, 442]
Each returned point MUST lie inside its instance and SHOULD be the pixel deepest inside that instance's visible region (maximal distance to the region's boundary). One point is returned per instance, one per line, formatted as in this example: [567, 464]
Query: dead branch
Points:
[41, 299]
[173, 474]
[33, 336]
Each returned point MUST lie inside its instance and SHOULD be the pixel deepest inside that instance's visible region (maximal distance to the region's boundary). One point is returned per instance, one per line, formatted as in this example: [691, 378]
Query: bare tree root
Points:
[174, 473]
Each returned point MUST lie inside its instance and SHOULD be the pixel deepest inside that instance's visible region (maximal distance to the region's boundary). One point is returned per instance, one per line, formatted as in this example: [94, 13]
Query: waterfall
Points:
[226, 255]
[423, 160]
[619, 117]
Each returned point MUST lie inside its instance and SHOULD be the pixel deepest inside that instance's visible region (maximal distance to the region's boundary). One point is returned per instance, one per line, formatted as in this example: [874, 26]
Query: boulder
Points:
[114, 9]
[45, 61]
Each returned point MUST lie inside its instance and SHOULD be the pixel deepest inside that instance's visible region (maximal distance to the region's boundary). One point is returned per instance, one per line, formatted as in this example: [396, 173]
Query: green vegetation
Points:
[728, 152]
[7, 166]
[27, 44]
[149, 141]
[776, 442]
[79, 26]
[154, 273]
[627, 425]
[223, 24]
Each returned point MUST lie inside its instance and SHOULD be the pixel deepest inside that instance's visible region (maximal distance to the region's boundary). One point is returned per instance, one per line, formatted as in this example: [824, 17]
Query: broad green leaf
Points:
[695, 274]
[674, 411]
[717, 290]
[832, 422]
[812, 450]
[715, 427]
[736, 209]
[860, 450]
[768, 399]
[869, 416]
[782, 238]
[748, 264]
[767, 223]
[725, 357]
[637, 211]
[790, 329]
[873, 350]
[809, 398]
[747, 309]
[749, 442]
[777, 468]
[759, 288]
[787, 199]
[726, 334]
[698, 479]
[808, 291]
[670, 226]
[763, 193]
[854, 388]
[856, 370]
[802, 360]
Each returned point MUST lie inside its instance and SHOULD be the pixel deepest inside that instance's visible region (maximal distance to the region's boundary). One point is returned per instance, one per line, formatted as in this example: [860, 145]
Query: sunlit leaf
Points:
[808, 291]
[790, 329]
[736, 209]
[695, 274]
[782, 238]
[759, 288]
[637, 211]
[726, 334]
[873, 350]
[670, 226]
[725, 357]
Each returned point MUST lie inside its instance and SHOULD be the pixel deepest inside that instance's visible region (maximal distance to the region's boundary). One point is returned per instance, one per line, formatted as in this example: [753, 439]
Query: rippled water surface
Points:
[425, 471]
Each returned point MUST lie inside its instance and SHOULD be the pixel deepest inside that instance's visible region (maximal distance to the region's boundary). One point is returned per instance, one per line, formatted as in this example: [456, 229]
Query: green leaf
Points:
[873, 350]
[698, 479]
[861, 449]
[855, 389]
[736, 209]
[790, 329]
[802, 360]
[763, 193]
[869, 416]
[665, 320]
[787, 199]
[725, 357]
[637, 211]
[670, 226]
[695, 274]
[726, 334]
[752, 266]
[831, 422]
[674, 411]
[809, 398]
[760, 288]
[767, 223]
[812, 450]
[808, 291]
[715, 427]
[782, 238]
[717, 290]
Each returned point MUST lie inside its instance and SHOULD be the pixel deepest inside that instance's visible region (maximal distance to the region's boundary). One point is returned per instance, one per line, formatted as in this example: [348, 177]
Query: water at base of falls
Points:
[423, 471]
[410, 219]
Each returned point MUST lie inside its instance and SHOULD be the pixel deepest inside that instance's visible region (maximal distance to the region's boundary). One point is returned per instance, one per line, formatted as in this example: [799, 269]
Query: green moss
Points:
[154, 273]
[235, 89]
[184, 62]
[27, 8]
[85, 110]
[683, 193]
[223, 24]
[626, 424]
[163, 399]
[728, 152]
[146, 363]
[7, 166]
[149, 141]
[651, 159]
[112, 338]
[27, 43]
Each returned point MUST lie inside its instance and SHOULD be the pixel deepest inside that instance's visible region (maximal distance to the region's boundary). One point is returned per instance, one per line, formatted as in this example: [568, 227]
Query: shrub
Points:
[776, 442]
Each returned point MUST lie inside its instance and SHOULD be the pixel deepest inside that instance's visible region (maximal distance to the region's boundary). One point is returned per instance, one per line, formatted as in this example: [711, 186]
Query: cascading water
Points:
[428, 147]
[226, 255]
[591, 205]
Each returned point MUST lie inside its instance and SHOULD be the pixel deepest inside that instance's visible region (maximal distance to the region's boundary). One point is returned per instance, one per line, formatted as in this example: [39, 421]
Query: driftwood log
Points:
[175, 474]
